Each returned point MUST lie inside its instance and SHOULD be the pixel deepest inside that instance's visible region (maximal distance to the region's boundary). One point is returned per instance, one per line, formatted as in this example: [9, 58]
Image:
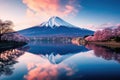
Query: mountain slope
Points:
[54, 27]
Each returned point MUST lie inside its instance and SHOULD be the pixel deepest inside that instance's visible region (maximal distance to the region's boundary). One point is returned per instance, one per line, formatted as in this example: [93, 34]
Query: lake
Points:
[40, 60]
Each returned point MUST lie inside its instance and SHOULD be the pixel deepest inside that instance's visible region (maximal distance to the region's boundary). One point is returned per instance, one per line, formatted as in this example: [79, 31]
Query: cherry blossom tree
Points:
[6, 26]
[8, 34]
[105, 34]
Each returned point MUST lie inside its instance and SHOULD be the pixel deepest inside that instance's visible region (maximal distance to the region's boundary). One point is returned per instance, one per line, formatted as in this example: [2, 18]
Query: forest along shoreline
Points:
[111, 44]
[109, 37]
[81, 41]
[8, 37]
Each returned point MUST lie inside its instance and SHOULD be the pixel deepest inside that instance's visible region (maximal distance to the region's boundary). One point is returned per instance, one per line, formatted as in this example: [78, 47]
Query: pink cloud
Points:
[118, 24]
[48, 8]
[46, 71]
[90, 26]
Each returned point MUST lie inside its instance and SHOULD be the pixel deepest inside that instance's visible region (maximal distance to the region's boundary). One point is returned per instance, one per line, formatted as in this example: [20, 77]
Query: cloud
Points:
[106, 25]
[90, 26]
[102, 26]
[118, 24]
[48, 8]
[46, 71]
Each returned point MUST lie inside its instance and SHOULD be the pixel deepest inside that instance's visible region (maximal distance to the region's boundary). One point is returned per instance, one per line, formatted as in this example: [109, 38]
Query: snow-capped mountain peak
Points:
[55, 26]
[55, 22]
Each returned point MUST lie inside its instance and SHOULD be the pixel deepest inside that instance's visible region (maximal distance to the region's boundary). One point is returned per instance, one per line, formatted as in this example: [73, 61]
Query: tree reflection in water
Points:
[8, 59]
[104, 52]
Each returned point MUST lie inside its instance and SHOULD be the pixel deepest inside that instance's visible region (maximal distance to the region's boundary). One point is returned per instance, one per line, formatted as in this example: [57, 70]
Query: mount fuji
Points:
[55, 26]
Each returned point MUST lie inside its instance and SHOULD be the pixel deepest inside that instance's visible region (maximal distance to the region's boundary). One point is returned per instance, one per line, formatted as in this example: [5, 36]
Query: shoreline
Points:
[4, 45]
[110, 44]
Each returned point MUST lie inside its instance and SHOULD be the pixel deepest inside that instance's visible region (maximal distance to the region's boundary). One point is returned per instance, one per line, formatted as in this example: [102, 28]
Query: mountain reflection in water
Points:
[59, 61]
[40, 47]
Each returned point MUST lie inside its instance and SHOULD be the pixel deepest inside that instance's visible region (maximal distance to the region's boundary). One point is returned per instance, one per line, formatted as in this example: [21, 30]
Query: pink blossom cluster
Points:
[105, 34]
[14, 37]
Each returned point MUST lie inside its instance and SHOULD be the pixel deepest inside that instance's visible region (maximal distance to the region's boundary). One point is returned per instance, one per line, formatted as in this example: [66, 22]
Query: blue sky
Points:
[100, 11]
[91, 14]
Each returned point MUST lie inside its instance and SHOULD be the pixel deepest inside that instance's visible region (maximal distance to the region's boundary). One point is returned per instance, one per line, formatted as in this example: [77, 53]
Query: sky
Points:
[90, 14]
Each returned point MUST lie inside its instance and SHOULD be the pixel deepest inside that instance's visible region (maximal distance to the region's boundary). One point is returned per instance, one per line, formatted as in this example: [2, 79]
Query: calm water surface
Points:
[59, 61]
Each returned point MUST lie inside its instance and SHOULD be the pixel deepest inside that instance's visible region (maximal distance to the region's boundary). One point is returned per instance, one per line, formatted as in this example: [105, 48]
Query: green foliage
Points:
[86, 36]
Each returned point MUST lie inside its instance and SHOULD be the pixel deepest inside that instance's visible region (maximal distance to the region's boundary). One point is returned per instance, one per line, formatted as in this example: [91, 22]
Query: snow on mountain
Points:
[56, 58]
[55, 22]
